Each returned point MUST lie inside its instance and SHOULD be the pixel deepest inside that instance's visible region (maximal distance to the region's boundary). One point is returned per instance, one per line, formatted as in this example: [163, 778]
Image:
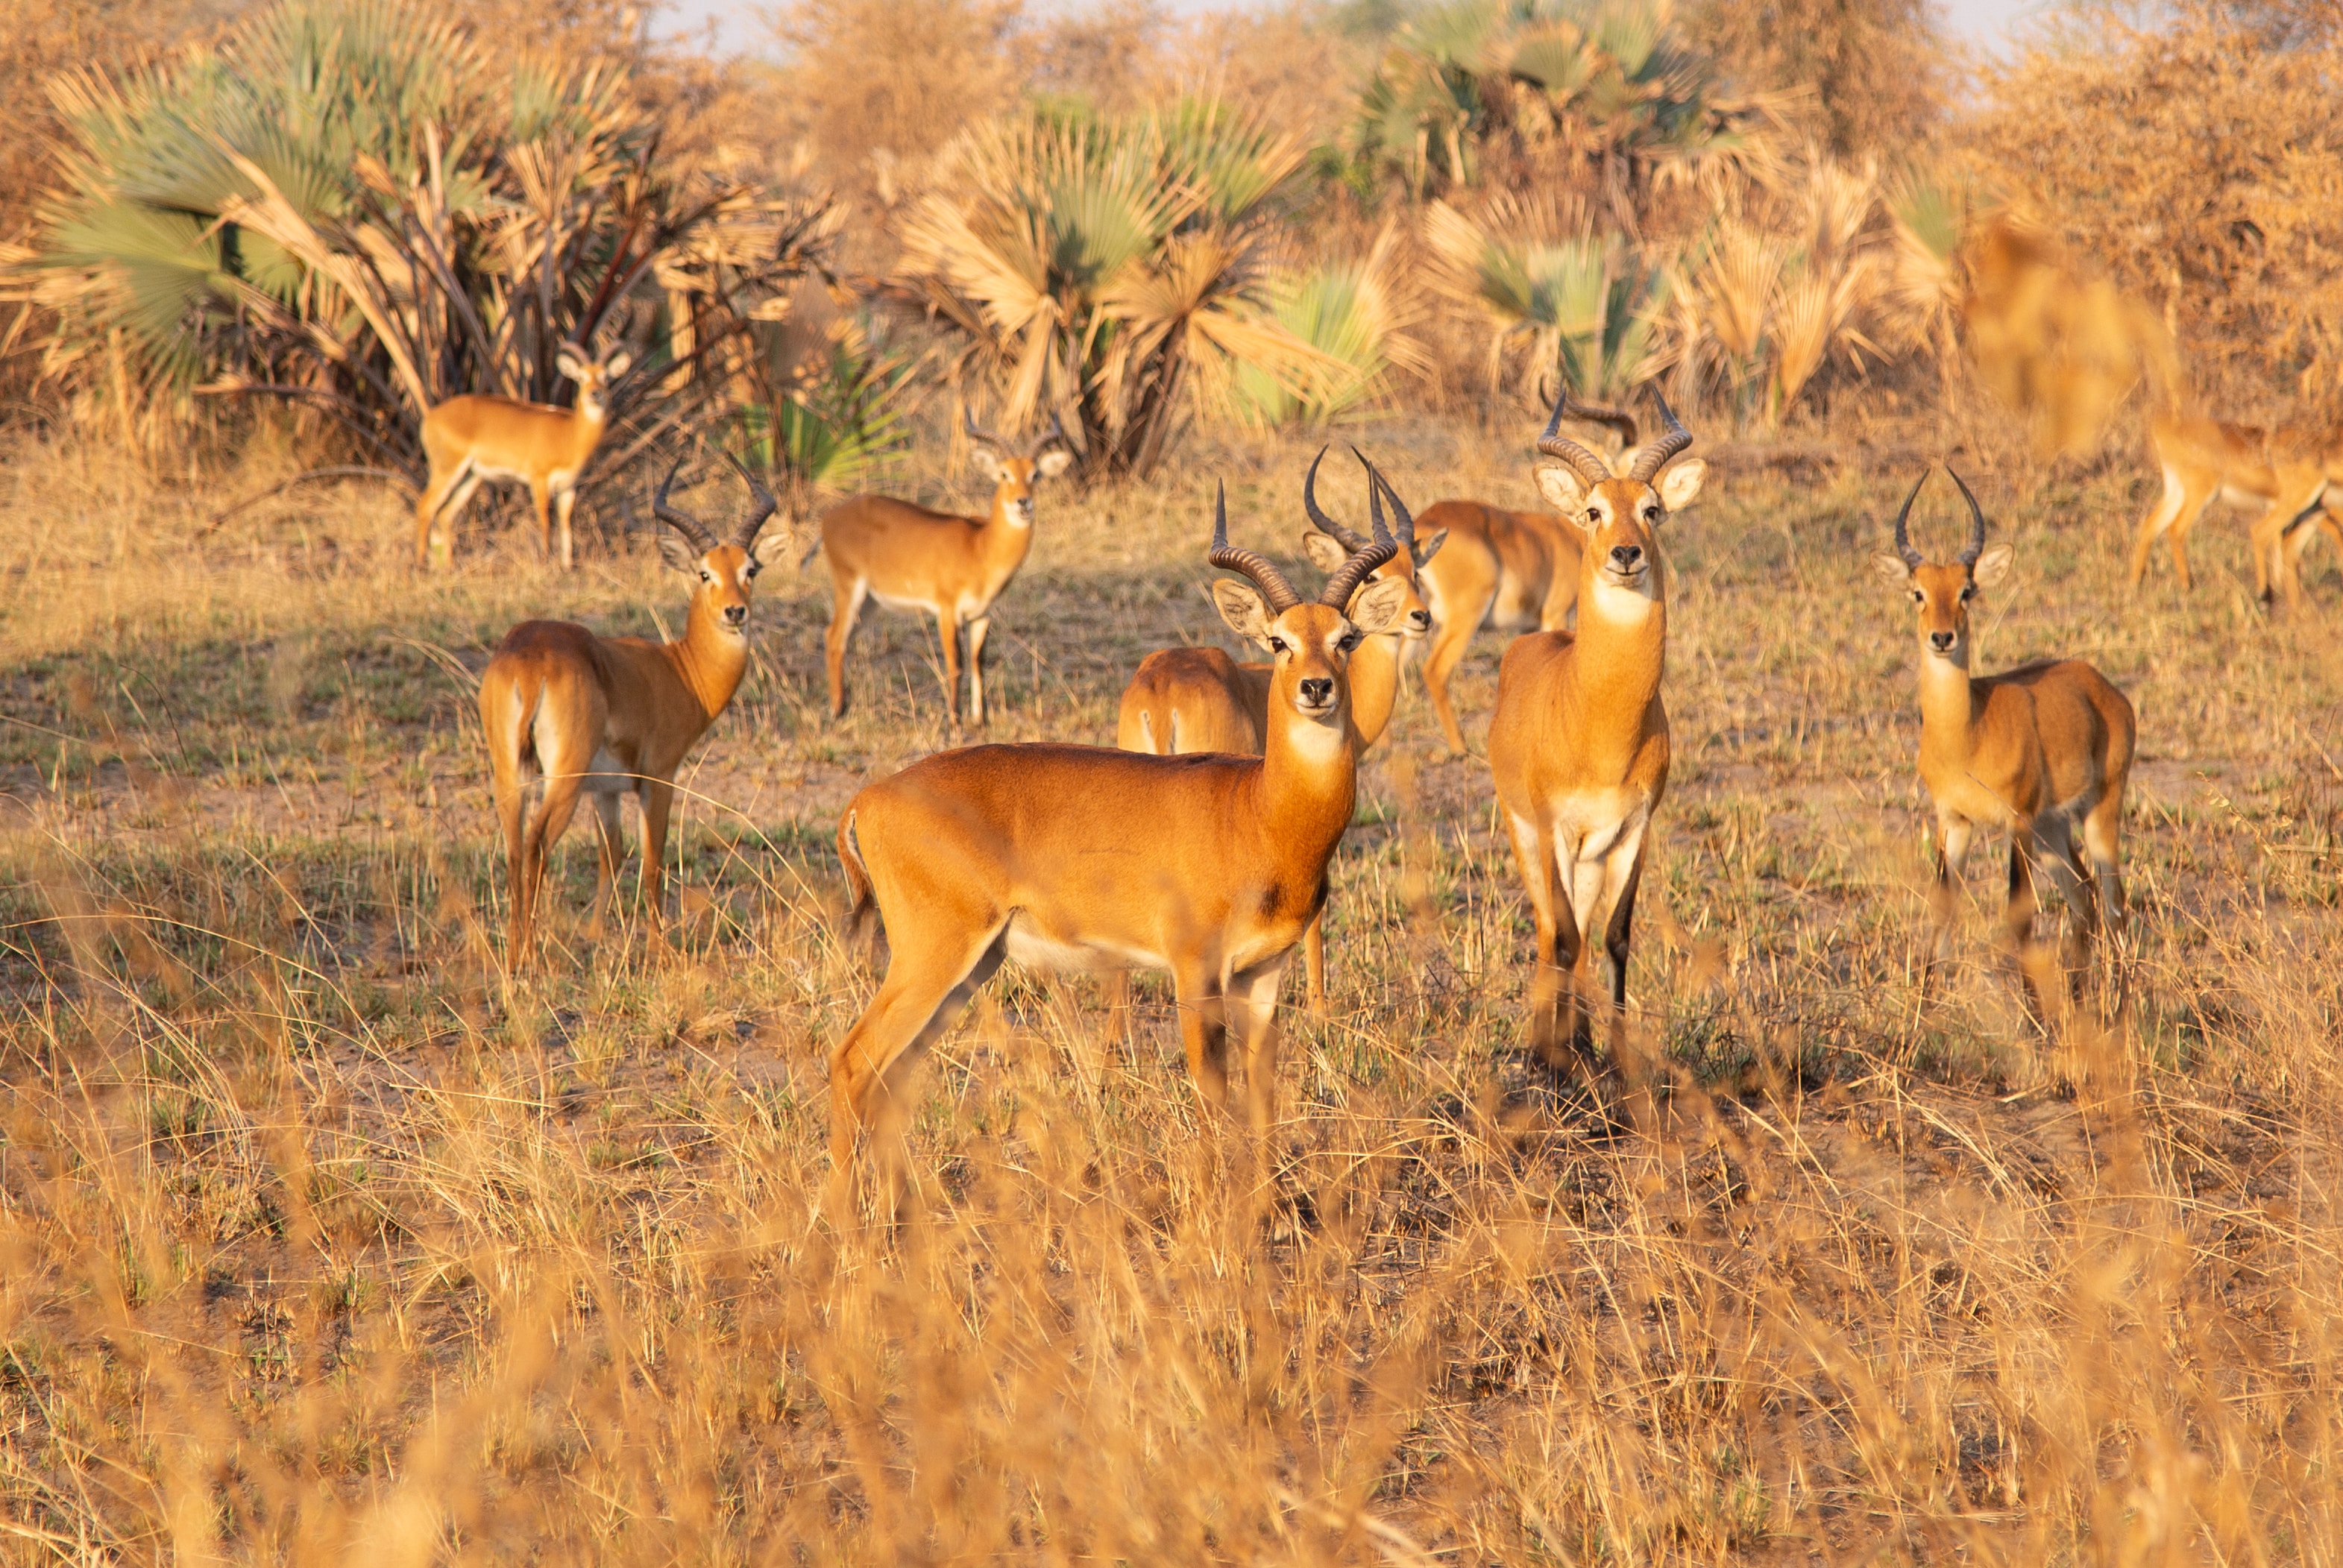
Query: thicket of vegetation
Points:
[1135, 222]
[323, 1238]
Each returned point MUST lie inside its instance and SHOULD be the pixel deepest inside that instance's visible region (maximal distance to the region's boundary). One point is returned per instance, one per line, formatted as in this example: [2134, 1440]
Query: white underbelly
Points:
[1036, 948]
[606, 774]
[1588, 827]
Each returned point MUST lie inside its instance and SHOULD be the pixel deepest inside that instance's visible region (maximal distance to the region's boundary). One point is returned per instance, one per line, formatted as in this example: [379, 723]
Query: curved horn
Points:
[1674, 438]
[1398, 509]
[1912, 558]
[1042, 443]
[1318, 518]
[765, 506]
[1274, 589]
[1977, 522]
[978, 433]
[682, 523]
[1554, 443]
[1619, 419]
[1351, 573]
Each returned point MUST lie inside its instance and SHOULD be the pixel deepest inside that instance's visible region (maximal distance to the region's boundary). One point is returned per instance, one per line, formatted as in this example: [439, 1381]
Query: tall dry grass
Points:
[321, 1238]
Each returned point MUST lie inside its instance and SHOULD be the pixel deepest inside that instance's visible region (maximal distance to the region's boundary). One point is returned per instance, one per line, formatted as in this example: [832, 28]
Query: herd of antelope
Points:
[1200, 843]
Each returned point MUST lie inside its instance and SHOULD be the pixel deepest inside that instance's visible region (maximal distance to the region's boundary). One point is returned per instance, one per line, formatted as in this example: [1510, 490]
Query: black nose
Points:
[1625, 557]
[1942, 641]
[734, 614]
[1318, 691]
[1420, 617]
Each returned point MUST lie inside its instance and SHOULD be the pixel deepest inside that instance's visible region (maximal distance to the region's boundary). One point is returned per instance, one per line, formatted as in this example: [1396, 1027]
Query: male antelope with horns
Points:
[1516, 571]
[953, 568]
[2041, 749]
[1579, 740]
[566, 711]
[1184, 699]
[1081, 858]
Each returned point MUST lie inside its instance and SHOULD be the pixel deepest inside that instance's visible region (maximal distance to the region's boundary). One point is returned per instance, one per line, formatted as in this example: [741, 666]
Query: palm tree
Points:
[1359, 315]
[1598, 96]
[345, 205]
[1557, 295]
[1115, 273]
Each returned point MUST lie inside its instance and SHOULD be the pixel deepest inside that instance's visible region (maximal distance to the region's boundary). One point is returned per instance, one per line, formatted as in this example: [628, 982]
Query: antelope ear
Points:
[1680, 486]
[568, 365]
[1994, 565]
[679, 556]
[1242, 607]
[774, 543]
[1378, 607]
[1427, 549]
[1564, 488]
[1892, 569]
[1054, 462]
[1325, 552]
[615, 366]
[988, 463]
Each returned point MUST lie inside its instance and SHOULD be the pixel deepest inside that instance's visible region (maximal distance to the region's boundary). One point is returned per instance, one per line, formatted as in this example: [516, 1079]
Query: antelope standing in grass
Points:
[953, 568]
[1516, 571]
[1579, 740]
[1081, 858]
[2043, 749]
[1185, 700]
[481, 436]
[2284, 472]
[567, 711]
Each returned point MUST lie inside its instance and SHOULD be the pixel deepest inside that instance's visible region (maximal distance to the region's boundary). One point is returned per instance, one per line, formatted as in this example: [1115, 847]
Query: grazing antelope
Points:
[1579, 740]
[953, 568]
[2041, 749]
[2286, 472]
[1516, 571]
[566, 711]
[481, 436]
[1082, 858]
[1185, 700]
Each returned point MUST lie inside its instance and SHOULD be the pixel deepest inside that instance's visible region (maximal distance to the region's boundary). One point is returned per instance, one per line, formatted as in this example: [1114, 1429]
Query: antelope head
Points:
[1015, 467]
[724, 568]
[593, 377]
[1943, 591]
[1330, 545]
[1618, 508]
[1310, 644]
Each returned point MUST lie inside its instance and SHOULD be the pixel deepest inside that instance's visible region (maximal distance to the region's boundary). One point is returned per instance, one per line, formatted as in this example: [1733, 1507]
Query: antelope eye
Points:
[753, 568]
[1919, 597]
[1968, 592]
[1594, 515]
[1279, 644]
[1349, 641]
[706, 575]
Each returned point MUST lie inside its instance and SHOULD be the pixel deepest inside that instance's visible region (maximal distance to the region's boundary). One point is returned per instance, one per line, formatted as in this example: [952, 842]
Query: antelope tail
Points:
[862, 903]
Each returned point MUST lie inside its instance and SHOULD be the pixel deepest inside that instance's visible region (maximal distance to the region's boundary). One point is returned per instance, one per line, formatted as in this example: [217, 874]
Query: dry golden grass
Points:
[316, 1235]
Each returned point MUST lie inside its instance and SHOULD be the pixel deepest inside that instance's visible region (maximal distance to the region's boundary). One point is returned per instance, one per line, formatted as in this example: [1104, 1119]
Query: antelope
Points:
[1082, 858]
[566, 711]
[2286, 472]
[1187, 699]
[1512, 570]
[2039, 749]
[953, 568]
[482, 437]
[1579, 740]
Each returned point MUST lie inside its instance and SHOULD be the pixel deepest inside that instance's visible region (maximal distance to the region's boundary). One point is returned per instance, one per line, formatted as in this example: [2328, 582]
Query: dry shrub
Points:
[877, 84]
[2201, 164]
[1875, 67]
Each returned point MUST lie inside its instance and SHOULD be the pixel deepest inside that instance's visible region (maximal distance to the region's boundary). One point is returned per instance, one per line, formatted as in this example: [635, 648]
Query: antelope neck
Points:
[1374, 686]
[708, 659]
[1618, 665]
[1308, 782]
[1948, 701]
